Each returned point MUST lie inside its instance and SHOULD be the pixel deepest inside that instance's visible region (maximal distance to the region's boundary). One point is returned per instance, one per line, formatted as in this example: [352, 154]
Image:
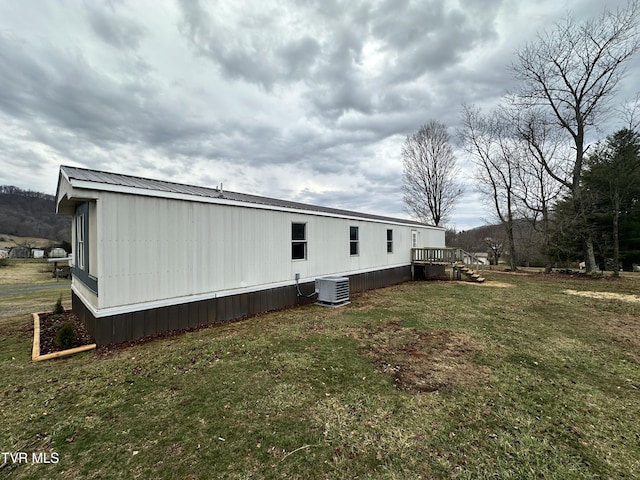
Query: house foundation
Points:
[135, 325]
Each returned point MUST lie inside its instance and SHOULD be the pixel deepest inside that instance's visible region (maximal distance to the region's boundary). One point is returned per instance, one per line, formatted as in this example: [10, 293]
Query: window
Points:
[353, 241]
[298, 241]
[80, 241]
[414, 239]
[389, 241]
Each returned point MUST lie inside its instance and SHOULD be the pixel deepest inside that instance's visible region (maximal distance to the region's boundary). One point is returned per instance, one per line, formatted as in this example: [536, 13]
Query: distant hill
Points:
[25, 213]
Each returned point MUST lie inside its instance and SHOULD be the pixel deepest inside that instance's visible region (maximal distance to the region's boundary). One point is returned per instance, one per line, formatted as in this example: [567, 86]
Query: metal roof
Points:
[120, 180]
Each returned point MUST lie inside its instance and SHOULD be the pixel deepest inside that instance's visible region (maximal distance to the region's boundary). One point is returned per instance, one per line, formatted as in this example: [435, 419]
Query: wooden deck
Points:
[459, 261]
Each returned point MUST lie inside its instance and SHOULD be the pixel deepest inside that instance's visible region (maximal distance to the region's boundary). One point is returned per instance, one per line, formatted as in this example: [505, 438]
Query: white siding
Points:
[154, 248]
[85, 293]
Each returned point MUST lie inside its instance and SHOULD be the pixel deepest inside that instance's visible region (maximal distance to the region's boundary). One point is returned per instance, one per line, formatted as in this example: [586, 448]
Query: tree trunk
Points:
[512, 247]
[548, 260]
[590, 265]
[616, 238]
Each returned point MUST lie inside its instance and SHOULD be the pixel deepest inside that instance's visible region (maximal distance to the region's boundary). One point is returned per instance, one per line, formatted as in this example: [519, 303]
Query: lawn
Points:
[518, 378]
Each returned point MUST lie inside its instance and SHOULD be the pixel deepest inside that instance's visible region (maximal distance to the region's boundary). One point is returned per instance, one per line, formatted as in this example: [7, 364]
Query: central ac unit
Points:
[332, 291]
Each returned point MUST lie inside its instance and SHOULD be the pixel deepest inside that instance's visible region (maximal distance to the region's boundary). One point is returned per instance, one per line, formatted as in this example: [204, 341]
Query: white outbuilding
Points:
[57, 252]
[152, 256]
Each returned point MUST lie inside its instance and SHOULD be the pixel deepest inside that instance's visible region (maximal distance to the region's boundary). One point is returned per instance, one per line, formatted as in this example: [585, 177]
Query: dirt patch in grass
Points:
[489, 283]
[625, 329]
[424, 361]
[49, 326]
[605, 295]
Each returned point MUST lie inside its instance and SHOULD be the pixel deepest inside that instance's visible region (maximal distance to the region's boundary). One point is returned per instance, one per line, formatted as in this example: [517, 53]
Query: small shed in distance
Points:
[151, 256]
[57, 252]
[20, 252]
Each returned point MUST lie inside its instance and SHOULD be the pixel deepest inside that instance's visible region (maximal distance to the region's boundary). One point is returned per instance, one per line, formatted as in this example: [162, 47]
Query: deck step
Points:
[471, 274]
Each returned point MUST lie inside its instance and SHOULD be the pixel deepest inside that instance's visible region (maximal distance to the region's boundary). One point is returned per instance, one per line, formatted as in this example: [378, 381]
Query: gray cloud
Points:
[242, 49]
[113, 29]
[429, 36]
[303, 100]
[414, 38]
[298, 56]
[73, 103]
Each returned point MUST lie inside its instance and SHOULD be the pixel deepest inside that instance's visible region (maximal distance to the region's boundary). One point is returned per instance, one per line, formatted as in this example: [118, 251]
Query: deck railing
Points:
[444, 255]
[434, 255]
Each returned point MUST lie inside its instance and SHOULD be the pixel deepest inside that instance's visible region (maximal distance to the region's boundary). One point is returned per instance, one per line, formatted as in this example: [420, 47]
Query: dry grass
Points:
[26, 271]
[605, 295]
[423, 380]
[492, 283]
[13, 240]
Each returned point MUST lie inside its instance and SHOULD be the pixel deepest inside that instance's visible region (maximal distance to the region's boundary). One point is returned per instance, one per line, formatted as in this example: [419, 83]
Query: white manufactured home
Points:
[151, 256]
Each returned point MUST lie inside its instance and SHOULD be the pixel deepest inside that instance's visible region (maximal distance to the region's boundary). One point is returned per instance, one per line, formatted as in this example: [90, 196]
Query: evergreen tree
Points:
[612, 181]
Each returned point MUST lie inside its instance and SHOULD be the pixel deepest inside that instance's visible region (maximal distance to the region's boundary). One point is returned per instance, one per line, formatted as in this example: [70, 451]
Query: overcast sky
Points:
[301, 100]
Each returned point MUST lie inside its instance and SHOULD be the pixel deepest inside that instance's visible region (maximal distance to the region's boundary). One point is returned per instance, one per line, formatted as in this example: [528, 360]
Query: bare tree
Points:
[495, 246]
[536, 190]
[429, 174]
[572, 71]
[631, 113]
[489, 141]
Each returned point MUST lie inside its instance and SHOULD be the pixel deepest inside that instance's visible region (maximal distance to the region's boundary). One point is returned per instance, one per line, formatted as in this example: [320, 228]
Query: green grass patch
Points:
[421, 380]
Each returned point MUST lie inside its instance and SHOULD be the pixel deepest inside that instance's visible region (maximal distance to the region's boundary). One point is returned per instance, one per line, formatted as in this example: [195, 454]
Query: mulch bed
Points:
[49, 325]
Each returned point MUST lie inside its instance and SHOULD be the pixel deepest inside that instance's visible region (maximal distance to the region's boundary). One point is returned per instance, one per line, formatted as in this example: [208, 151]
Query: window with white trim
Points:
[80, 260]
[354, 241]
[298, 241]
[414, 239]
